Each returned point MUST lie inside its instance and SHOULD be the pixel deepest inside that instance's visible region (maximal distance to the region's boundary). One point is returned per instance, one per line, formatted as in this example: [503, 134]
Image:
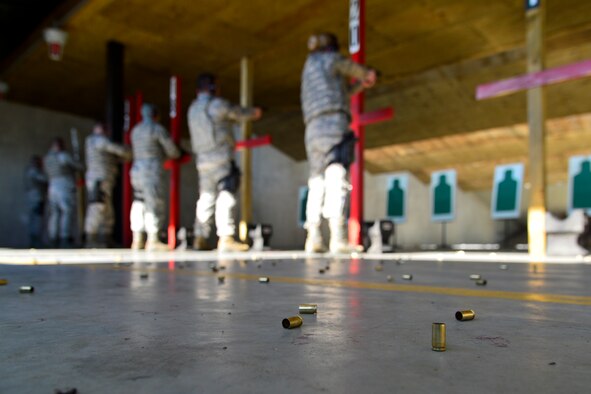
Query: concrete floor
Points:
[102, 328]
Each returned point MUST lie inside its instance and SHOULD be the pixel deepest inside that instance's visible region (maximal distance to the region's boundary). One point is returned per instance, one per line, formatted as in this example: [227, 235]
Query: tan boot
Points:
[228, 244]
[200, 243]
[339, 242]
[153, 244]
[314, 242]
[138, 242]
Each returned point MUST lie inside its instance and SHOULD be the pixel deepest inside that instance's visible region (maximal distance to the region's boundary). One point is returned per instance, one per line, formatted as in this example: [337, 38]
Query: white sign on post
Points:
[397, 197]
[579, 183]
[506, 195]
[173, 82]
[354, 17]
[443, 195]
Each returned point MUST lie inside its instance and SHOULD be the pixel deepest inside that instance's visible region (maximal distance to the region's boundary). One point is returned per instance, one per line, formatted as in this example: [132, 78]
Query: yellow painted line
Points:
[448, 291]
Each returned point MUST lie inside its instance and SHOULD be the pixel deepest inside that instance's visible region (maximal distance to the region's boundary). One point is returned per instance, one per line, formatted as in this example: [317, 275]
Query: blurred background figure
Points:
[102, 162]
[61, 169]
[36, 193]
[211, 119]
[151, 145]
[330, 145]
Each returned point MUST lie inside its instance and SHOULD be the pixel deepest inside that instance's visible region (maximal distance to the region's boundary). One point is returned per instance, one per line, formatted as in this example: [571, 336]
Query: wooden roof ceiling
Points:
[432, 53]
[476, 154]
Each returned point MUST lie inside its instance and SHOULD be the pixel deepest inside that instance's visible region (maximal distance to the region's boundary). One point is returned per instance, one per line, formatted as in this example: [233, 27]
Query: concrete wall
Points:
[472, 225]
[25, 131]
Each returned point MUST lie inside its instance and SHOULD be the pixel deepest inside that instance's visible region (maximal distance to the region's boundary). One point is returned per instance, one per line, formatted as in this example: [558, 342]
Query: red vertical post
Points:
[139, 101]
[130, 121]
[175, 132]
[357, 49]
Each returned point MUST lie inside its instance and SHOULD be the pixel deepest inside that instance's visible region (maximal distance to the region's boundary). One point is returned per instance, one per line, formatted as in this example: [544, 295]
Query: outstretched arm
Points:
[237, 113]
[170, 148]
[69, 161]
[365, 76]
[118, 150]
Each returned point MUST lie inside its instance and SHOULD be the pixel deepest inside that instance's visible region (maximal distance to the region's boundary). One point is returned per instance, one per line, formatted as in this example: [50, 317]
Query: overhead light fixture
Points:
[531, 4]
[56, 40]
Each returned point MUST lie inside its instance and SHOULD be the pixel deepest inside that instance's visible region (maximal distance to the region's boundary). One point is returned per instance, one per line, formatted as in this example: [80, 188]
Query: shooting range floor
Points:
[101, 328]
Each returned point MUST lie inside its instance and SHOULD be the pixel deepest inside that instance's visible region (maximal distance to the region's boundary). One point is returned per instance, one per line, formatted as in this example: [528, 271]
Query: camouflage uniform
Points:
[36, 192]
[102, 159]
[325, 104]
[211, 120]
[151, 146]
[61, 169]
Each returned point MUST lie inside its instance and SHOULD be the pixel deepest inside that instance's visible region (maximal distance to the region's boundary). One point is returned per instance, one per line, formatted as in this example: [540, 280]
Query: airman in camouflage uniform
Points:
[102, 161]
[211, 120]
[329, 144]
[36, 192]
[61, 169]
[151, 145]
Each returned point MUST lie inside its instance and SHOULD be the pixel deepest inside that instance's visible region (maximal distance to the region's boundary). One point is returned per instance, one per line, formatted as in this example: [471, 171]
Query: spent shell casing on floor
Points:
[438, 341]
[221, 279]
[144, 276]
[379, 267]
[481, 282]
[321, 271]
[407, 277]
[504, 267]
[26, 289]
[3, 282]
[309, 309]
[292, 322]
[465, 315]
[264, 279]
[390, 278]
[475, 276]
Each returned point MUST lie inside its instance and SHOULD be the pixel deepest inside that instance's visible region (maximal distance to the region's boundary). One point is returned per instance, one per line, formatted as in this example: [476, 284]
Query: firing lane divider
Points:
[448, 291]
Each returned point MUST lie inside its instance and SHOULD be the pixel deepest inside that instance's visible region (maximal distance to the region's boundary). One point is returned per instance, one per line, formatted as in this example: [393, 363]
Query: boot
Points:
[153, 244]
[67, 243]
[339, 242]
[314, 242]
[138, 242]
[92, 241]
[228, 244]
[200, 243]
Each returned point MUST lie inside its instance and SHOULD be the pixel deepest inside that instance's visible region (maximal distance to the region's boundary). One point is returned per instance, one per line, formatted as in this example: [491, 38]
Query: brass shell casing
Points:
[465, 315]
[221, 278]
[481, 282]
[292, 322]
[438, 341]
[264, 279]
[3, 282]
[26, 289]
[309, 309]
[407, 277]
[475, 276]
[379, 267]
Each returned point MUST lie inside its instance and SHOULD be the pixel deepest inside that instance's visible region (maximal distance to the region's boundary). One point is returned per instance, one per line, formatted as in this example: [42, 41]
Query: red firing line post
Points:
[359, 119]
[175, 165]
